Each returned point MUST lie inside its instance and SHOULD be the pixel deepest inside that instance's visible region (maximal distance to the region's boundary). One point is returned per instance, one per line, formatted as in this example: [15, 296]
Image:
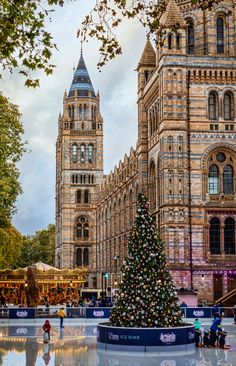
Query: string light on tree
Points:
[146, 296]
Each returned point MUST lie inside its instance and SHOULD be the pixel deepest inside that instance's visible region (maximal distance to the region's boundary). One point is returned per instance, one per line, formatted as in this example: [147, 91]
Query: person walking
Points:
[62, 315]
[46, 328]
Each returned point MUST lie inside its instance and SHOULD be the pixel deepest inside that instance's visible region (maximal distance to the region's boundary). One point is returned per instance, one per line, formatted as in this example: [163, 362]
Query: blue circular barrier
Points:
[146, 339]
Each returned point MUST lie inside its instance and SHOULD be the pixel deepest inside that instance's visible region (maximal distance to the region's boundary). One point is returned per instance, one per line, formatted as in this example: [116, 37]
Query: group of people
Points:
[213, 338]
[216, 336]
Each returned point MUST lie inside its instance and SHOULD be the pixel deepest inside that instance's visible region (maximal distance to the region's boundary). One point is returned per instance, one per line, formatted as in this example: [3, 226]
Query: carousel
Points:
[39, 283]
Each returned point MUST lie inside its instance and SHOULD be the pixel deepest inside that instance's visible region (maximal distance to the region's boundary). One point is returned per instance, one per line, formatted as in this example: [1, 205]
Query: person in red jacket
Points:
[47, 328]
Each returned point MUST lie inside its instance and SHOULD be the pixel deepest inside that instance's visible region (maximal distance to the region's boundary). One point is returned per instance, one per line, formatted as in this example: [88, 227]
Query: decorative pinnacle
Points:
[81, 47]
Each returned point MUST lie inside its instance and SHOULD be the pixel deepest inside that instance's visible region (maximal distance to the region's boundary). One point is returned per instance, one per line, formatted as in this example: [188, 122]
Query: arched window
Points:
[220, 35]
[213, 106]
[214, 235]
[213, 179]
[74, 152]
[79, 230]
[85, 111]
[152, 186]
[169, 41]
[79, 257]
[177, 41]
[86, 230]
[82, 153]
[74, 178]
[228, 106]
[78, 196]
[229, 236]
[90, 153]
[86, 196]
[228, 179]
[190, 38]
[72, 112]
[86, 257]
[80, 111]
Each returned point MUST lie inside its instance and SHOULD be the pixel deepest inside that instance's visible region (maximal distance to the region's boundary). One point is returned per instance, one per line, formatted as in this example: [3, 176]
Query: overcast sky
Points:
[117, 84]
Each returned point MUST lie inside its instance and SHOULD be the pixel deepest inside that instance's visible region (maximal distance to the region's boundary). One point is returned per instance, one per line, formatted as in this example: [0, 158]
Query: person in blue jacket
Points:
[216, 310]
[215, 326]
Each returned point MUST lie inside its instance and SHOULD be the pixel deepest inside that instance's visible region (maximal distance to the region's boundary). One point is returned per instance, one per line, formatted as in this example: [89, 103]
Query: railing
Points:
[97, 313]
[226, 296]
[53, 313]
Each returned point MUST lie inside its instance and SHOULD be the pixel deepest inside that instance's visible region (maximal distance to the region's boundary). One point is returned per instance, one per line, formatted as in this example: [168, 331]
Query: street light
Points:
[106, 276]
[116, 260]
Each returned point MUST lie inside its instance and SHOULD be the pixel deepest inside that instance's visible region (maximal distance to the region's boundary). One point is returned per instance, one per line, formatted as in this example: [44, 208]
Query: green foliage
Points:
[11, 151]
[24, 42]
[107, 15]
[10, 245]
[147, 295]
[27, 45]
[40, 247]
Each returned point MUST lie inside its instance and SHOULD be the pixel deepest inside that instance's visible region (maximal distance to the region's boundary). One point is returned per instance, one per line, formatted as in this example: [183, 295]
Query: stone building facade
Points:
[185, 158]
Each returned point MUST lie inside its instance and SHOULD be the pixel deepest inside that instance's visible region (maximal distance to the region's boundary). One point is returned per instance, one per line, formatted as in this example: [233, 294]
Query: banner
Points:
[22, 313]
[93, 313]
[144, 337]
[198, 312]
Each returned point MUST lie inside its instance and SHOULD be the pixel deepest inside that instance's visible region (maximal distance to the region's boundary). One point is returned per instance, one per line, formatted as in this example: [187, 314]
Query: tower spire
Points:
[81, 85]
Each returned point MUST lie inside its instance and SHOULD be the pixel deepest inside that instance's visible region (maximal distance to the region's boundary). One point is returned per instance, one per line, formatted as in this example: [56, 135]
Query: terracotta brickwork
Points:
[185, 159]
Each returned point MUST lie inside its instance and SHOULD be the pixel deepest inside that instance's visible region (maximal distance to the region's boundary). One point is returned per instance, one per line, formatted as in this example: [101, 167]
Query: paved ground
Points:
[75, 345]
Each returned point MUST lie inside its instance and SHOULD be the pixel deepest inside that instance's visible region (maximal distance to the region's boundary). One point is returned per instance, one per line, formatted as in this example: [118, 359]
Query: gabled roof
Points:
[172, 16]
[148, 57]
[81, 82]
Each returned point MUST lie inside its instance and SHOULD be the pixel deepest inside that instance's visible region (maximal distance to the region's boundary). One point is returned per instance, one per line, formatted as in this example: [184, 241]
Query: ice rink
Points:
[75, 345]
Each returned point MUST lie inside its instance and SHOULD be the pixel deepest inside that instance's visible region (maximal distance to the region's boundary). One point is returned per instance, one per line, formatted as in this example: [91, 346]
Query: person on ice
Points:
[46, 328]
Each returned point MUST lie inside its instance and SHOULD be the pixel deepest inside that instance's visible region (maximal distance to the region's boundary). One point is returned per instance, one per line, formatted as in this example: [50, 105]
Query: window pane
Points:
[220, 35]
[169, 41]
[228, 107]
[228, 177]
[215, 236]
[86, 230]
[78, 196]
[86, 196]
[86, 257]
[190, 38]
[90, 154]
[74, 152]
[213, 106]
[79, 257]
[229, 236]
[213, 180]
[82, 153]
[79, 231]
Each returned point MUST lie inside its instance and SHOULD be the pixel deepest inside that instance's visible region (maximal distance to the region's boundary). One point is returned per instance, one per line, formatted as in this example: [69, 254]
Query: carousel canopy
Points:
[44, 267]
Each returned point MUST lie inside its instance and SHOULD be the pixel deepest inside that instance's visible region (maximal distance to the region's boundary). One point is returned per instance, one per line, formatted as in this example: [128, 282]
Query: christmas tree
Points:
[146, 296]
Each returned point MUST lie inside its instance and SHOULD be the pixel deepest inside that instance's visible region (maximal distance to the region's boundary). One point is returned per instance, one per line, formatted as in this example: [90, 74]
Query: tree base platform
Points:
[146, 339]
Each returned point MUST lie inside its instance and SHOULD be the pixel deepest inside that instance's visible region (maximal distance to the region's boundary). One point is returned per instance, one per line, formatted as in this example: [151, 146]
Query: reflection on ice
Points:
[202, 357]
[73, 346]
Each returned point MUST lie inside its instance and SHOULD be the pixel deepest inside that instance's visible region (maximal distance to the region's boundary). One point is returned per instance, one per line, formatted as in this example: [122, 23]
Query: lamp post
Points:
[116, 259]
[104, 284]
